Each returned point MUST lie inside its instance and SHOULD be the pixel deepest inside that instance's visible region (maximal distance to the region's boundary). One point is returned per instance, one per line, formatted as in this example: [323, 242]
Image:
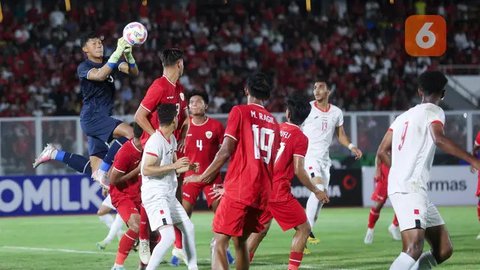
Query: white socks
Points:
[426, 261]
[115, 228]
[188, 233]
[167, 239]
[107, 219]
[402, 262]
[313, 208]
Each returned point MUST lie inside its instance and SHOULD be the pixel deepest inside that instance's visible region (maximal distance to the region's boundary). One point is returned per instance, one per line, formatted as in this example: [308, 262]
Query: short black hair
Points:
[170, 56]
[166, 113]
[432, 82]
[90, 35]
[137, 130]
[202, 94]
[299, 108]
[258, 86]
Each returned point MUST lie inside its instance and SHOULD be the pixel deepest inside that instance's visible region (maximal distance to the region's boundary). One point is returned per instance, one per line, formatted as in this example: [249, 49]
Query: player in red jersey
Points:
[252, 139]
[125, 184]
[379, 196]
[166, 89]
[282, 206]
[476, 148]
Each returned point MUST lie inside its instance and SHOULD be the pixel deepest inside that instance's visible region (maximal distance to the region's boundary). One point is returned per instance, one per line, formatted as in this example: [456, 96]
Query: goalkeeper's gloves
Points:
[128, 55]
[113, 60]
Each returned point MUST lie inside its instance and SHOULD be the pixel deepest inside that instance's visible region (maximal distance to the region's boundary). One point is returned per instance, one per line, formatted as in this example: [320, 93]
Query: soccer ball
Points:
[135, 33]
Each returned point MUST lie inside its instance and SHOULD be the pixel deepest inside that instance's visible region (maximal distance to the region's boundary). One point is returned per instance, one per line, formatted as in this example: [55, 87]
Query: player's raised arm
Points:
[130, 67]
[449, 147]
[384, 149]
[343, 140]
[101, 74]
[302, 175]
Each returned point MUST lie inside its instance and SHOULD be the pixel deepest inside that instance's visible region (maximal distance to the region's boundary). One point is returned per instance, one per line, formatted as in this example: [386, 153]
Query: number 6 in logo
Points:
[425, 35]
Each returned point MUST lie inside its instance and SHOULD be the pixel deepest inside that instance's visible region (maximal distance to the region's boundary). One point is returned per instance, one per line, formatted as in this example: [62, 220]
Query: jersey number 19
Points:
[262, 143]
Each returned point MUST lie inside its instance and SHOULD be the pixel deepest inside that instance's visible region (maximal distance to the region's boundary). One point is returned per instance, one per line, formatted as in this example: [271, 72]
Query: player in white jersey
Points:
[159, 169]
[411, 139]
[321, 124]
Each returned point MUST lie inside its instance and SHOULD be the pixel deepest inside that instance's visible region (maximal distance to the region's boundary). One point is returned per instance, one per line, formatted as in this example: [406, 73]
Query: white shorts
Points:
[318, 168]
[415, 210]
[163, 211]
[108, 202]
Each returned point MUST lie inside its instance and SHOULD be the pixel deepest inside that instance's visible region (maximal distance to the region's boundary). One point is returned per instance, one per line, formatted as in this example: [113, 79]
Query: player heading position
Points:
[252, 139]
[411, 140]
[323, 121]
[159, 168]
[379, 196]
[282, 206]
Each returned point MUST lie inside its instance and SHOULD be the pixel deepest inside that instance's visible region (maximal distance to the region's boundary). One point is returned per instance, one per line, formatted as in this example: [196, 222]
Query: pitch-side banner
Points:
[48, 195]
[449, 185]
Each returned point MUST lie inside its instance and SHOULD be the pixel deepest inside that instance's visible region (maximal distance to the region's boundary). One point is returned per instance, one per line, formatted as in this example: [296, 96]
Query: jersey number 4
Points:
[199, 145]
[404, 134]
[263, 141]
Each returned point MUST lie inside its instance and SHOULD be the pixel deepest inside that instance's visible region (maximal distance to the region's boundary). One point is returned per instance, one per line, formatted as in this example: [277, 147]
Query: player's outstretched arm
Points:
[101, 74]
[150, 168]
[117, 177]
[141, 118]
[449, 147]
[384, 149]
[343, 140]
[299, 165]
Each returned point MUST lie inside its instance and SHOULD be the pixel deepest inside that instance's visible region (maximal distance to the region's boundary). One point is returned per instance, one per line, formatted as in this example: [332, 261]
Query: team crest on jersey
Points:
[182, 96]
[208, 134]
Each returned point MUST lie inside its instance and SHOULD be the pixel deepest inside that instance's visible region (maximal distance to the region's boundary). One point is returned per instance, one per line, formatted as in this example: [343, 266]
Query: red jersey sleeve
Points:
[301, 146]
[477, 139]
[234, 124]
[153, 96]
[120, 163]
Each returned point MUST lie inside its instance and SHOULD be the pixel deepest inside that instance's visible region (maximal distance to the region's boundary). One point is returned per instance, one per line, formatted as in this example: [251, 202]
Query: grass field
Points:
[69, 242]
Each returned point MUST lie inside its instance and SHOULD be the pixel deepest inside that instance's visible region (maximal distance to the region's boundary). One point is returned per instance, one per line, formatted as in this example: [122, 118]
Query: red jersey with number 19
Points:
[293, 143]
[250, 173]
[202, 143]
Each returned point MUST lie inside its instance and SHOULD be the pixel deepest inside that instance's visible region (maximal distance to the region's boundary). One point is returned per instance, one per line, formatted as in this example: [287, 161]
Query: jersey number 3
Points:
[404, 134]
[263, 143]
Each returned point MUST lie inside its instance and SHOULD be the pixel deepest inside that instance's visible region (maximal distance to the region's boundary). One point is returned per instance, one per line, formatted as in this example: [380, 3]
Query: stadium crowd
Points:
[358, 49]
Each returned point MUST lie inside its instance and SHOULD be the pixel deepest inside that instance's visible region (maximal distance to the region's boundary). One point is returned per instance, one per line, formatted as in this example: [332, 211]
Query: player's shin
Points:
[167, 238]
[187, 228]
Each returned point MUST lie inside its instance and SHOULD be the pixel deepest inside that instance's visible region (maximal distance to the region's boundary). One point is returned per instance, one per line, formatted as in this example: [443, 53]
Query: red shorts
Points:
[191, 191]
[126, 207]
[478, 186]
[236, 219]
[289, 214]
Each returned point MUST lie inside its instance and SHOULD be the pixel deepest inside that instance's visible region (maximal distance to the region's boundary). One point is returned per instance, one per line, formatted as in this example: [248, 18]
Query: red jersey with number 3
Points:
[202, 143]
[250, 172]
[293, 143]
[126, 160]
[163, 91]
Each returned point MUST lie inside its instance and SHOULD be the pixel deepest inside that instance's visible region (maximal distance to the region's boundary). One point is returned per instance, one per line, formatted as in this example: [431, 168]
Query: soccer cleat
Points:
[118, 267]
[313, 240]
[144, 251]
[395, 232]
[180, 255]
[368, 237]
[47, 154]
[230, 258]
[306, 251]
[101, 177]
[174, 261]
[101, 245]
[478, 237]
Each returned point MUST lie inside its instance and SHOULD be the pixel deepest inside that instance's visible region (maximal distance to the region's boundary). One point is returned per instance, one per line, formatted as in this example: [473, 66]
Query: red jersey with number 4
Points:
[160, 92]
[126, 160]
[293, 143]
[202, 143]
[250, 172]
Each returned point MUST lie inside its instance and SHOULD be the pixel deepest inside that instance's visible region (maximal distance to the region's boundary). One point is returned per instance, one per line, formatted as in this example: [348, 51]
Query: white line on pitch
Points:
[58, 250]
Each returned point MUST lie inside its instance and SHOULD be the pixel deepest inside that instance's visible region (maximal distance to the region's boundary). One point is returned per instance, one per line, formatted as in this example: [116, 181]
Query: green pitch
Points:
[69, 242]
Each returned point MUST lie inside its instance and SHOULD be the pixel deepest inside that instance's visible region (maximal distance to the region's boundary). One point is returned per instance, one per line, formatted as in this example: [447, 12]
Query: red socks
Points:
[178, 238]
[295, 260]
[478, 210]
[125, 245]
[372, 218]
[143, 230]
[395, 220]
